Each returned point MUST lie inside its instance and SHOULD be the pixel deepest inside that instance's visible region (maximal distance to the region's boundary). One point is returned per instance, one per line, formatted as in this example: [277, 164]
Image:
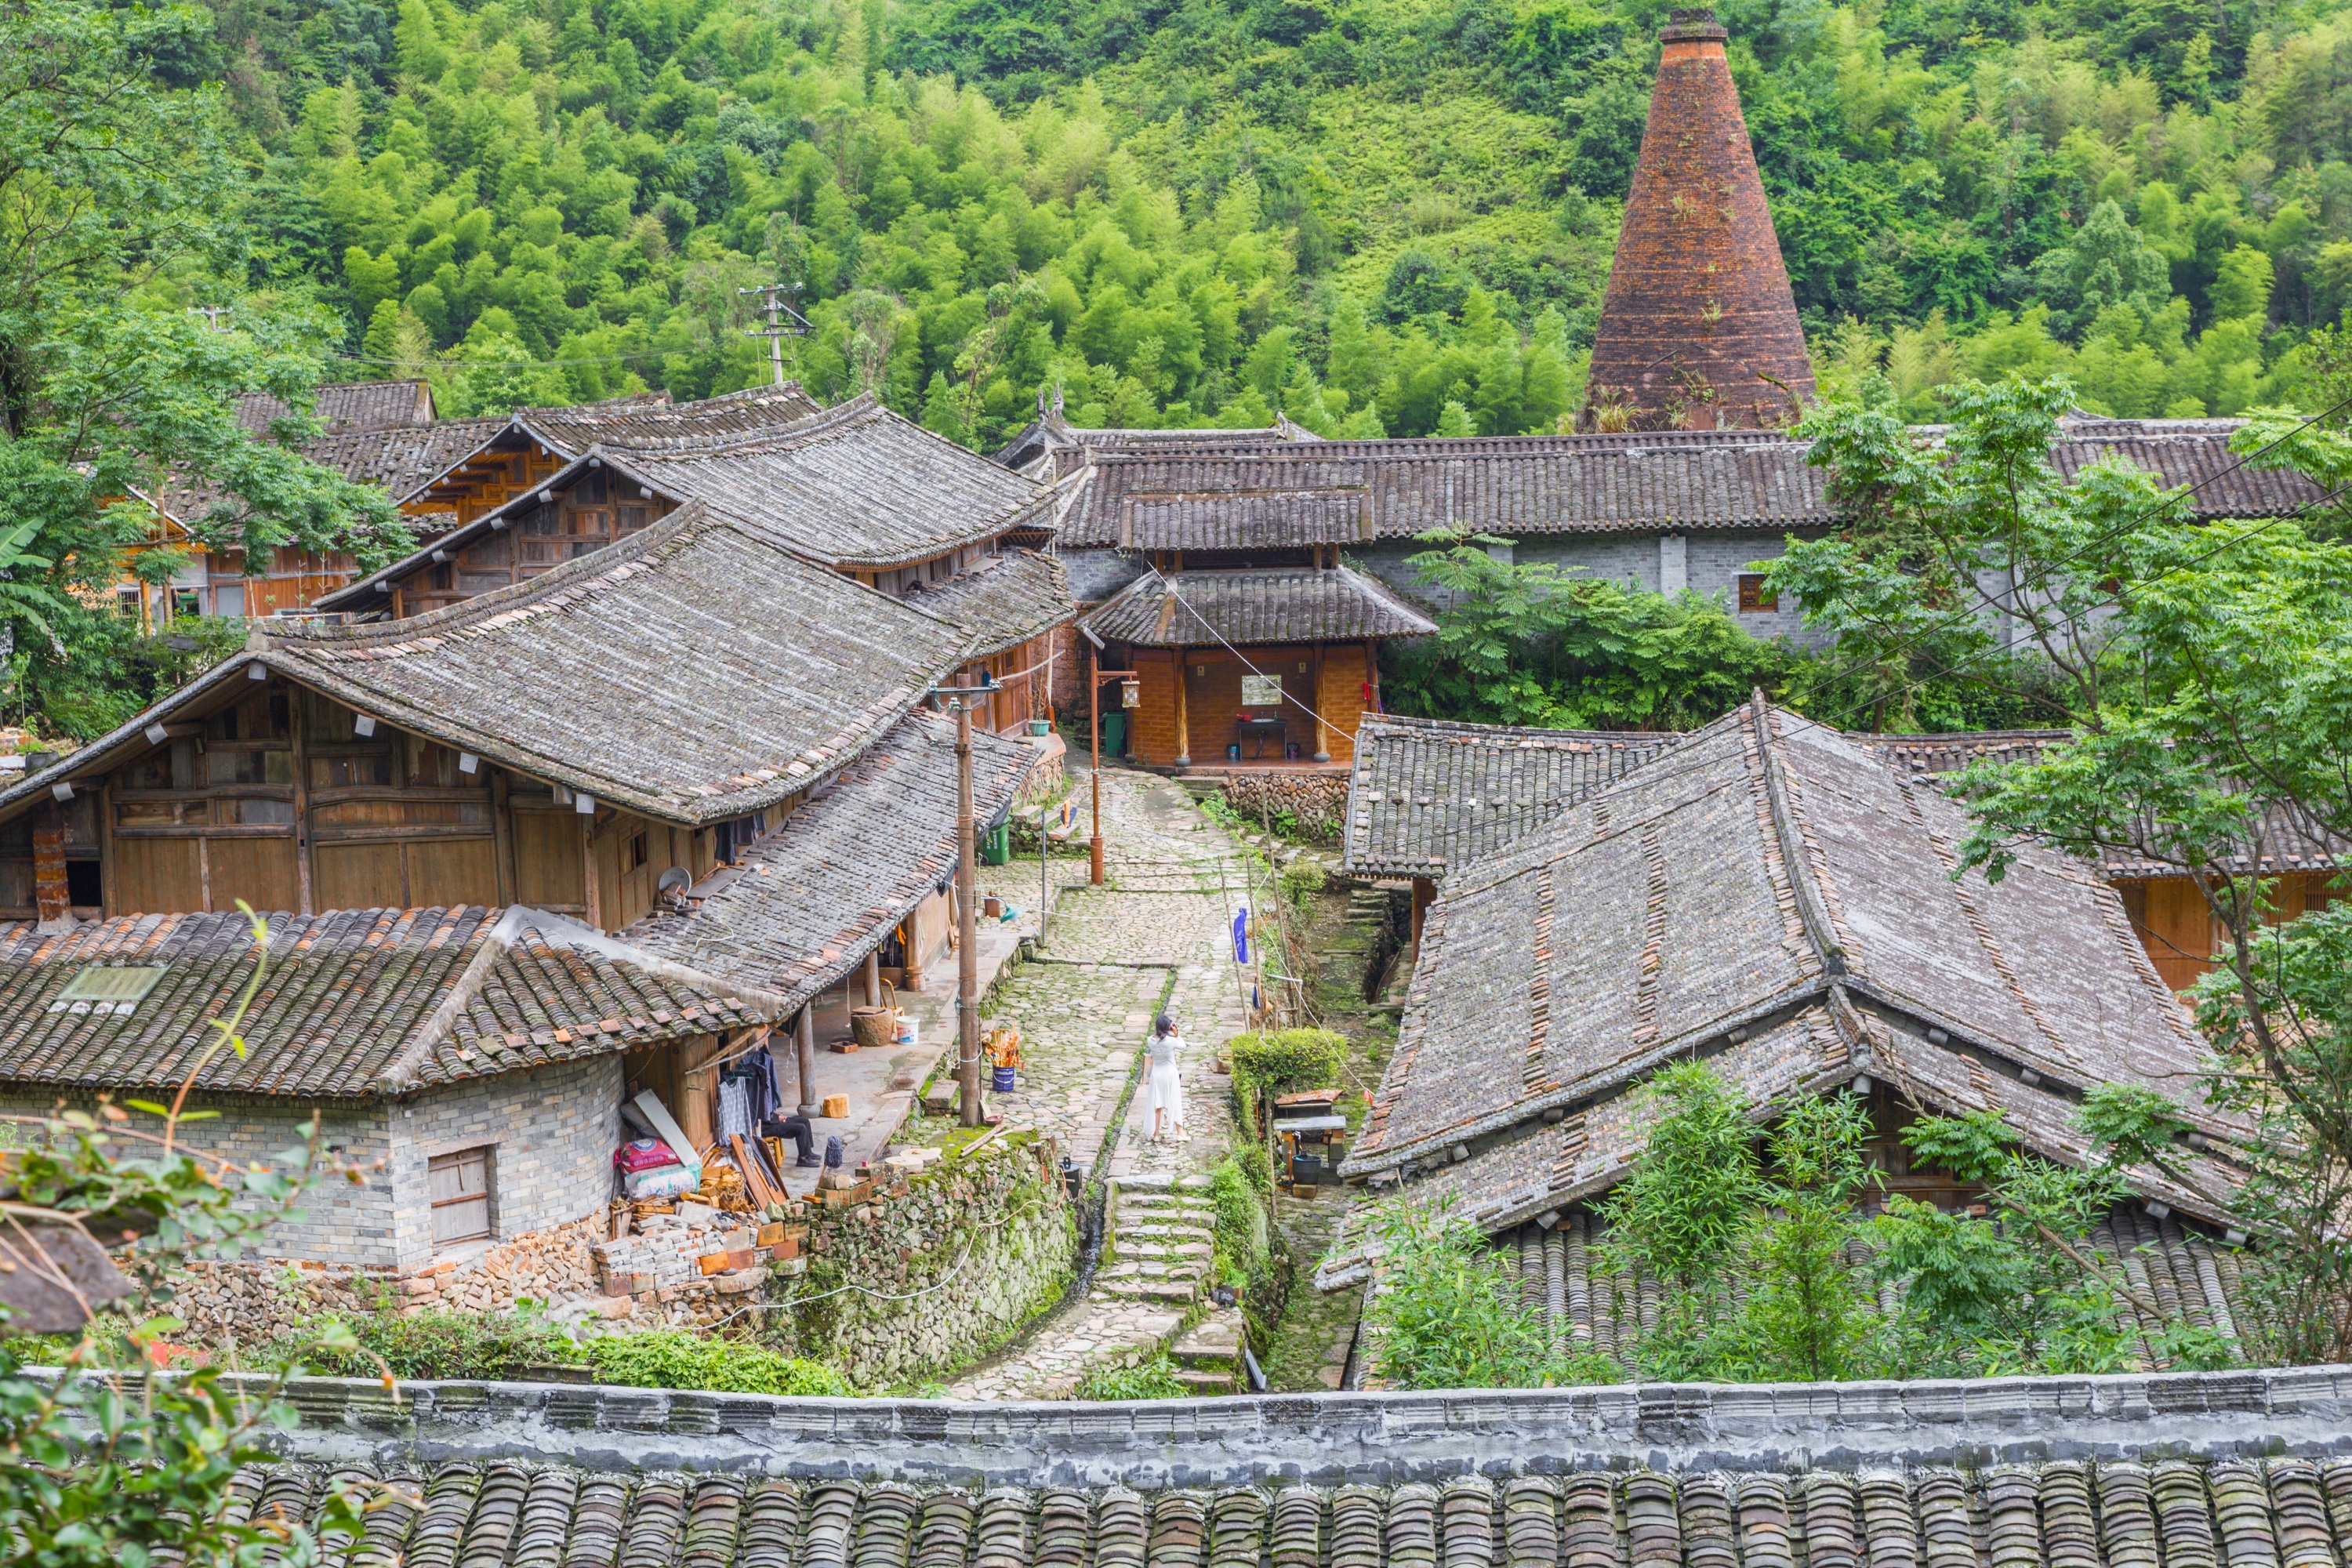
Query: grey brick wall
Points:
[344, 1223]
[1711, 562]
[551, 1134]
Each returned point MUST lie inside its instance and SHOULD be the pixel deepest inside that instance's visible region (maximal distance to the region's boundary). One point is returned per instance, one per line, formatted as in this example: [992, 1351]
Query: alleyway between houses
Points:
[1156, 936]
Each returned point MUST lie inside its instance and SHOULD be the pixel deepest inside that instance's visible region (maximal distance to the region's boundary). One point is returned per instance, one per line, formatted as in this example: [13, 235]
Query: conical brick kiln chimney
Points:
[1698, 329]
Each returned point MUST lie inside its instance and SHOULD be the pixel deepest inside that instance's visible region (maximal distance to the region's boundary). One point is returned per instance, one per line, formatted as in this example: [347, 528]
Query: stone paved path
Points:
[1158, 930]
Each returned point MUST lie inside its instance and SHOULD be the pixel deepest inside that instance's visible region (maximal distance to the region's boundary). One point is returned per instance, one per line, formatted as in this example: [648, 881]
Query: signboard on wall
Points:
[1260, 691]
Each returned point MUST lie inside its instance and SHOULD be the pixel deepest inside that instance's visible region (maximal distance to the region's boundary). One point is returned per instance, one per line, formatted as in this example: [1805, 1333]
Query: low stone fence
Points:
[258, 1300]
[1316, 802]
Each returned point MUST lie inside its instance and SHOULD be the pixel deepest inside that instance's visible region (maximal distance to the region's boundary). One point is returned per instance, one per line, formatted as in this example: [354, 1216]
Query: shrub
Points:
[1241, 1236]
[1450, 1314]
[673, 1358]
[445, 1344]
[1154, 1379]
[1278, 1063]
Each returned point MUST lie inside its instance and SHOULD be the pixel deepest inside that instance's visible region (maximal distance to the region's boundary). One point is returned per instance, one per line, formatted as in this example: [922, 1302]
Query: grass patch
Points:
[1154, 1379]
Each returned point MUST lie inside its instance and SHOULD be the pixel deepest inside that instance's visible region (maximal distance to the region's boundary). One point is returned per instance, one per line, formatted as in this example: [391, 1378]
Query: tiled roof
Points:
[809, 900]
[345, 405]
[2291, 843]
[653, 423]
[1245, 520]
[855, 485]
[1052, 445]
[399, 459]
[1272, 604]
[355, 1001]
[2074, 1512]
[1762, 861]
[691, 671]
[1009, 599]
[1524, 486]
[1428, 793]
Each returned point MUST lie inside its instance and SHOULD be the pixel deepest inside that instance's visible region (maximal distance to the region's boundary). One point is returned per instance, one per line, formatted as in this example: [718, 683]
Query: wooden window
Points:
[459, 1186]
[636, 851]
[1755, 599]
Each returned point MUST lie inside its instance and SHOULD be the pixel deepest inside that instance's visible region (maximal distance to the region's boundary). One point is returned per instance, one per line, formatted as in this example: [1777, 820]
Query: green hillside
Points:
[1386, 215]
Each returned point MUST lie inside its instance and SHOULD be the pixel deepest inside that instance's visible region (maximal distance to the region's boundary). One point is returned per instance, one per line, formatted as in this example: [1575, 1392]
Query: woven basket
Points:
[875, 1027]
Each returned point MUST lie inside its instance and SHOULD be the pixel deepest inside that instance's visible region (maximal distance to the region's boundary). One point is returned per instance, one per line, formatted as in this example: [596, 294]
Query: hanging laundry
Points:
[1240, 935]
[738, 1116]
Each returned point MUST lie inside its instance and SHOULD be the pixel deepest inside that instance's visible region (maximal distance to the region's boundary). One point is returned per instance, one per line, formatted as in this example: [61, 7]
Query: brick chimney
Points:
[52, 900]
[1699, 330]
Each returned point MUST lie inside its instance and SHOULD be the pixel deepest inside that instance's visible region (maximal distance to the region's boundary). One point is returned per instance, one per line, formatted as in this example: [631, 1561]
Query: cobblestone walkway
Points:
[1158, 929]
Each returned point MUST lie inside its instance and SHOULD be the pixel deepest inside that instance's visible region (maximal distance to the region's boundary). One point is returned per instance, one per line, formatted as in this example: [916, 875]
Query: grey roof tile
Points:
[1427, 794]
[1007, 600]
[808, 901]
[354, 1002]
[1534, 485]
[1246, 606]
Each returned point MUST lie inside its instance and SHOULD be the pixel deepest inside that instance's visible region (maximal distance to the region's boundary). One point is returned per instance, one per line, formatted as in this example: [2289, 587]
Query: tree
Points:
[2206, 674]
[117, 206]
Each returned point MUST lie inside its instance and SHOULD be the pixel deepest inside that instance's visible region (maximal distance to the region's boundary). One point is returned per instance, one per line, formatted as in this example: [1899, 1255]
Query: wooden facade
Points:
[1192, 712]
[276, 799]
[582, 518]
[2181, 933]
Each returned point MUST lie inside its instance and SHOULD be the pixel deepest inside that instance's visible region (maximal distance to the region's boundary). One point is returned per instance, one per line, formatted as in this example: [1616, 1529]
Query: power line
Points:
[513, 364]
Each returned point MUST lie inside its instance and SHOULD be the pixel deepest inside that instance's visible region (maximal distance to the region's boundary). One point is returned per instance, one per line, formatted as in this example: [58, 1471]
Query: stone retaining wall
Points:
[1316, 801]
[927, 1277]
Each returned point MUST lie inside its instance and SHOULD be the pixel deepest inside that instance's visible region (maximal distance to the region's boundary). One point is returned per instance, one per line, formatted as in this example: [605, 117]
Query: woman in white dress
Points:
[1163, 1089]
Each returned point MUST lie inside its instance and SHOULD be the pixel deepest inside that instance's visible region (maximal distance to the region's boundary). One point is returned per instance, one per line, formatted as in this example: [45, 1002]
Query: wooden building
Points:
[1429, 796]
[439, 473]
[1770, 898]
[855, 490]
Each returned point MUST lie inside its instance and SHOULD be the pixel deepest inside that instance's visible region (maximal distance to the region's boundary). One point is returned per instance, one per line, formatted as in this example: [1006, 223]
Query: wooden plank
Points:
[297, 719]
[501, 836]
[259, 870]
[157, 877]
[589, 879]
[449, 872]
[360, 876]
[548, 864]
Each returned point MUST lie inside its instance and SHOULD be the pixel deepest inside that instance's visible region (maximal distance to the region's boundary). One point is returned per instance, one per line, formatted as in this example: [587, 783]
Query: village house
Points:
[446, 817]
[439, 473]
[1772, 898]
[1427, 794]
[1252, 643]
[856, 489]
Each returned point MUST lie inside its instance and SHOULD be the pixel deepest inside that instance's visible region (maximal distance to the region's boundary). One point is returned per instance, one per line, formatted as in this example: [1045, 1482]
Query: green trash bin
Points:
[1114, 732]
[996, 844]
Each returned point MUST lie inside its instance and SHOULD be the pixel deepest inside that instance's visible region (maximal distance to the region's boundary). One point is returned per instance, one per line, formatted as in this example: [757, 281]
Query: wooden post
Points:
[52, 900]
[502, 847]
[968, 929]
[1372, 675]
[874, 978]
[694, 1087]
[1094, 775]
[590, 896]
[110, 901]
[1322, 733]
[1183, 718]
[804, 1039]
[299, 733]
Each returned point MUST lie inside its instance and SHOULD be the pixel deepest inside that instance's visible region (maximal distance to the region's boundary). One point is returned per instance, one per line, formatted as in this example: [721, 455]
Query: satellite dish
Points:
[673, 883]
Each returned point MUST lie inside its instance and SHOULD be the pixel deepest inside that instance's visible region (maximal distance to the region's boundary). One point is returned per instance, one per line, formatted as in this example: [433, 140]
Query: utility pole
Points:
[212, 315]
[783, 322]
[967, 926]
[1095, 674]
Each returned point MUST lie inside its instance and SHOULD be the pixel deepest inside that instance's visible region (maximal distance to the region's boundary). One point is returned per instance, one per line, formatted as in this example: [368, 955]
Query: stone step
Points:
[1160, 1230]
[1212, 1344]
[1165, 1290]
[1187, 1256]
[1199, 1383]
[1153, 1268]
